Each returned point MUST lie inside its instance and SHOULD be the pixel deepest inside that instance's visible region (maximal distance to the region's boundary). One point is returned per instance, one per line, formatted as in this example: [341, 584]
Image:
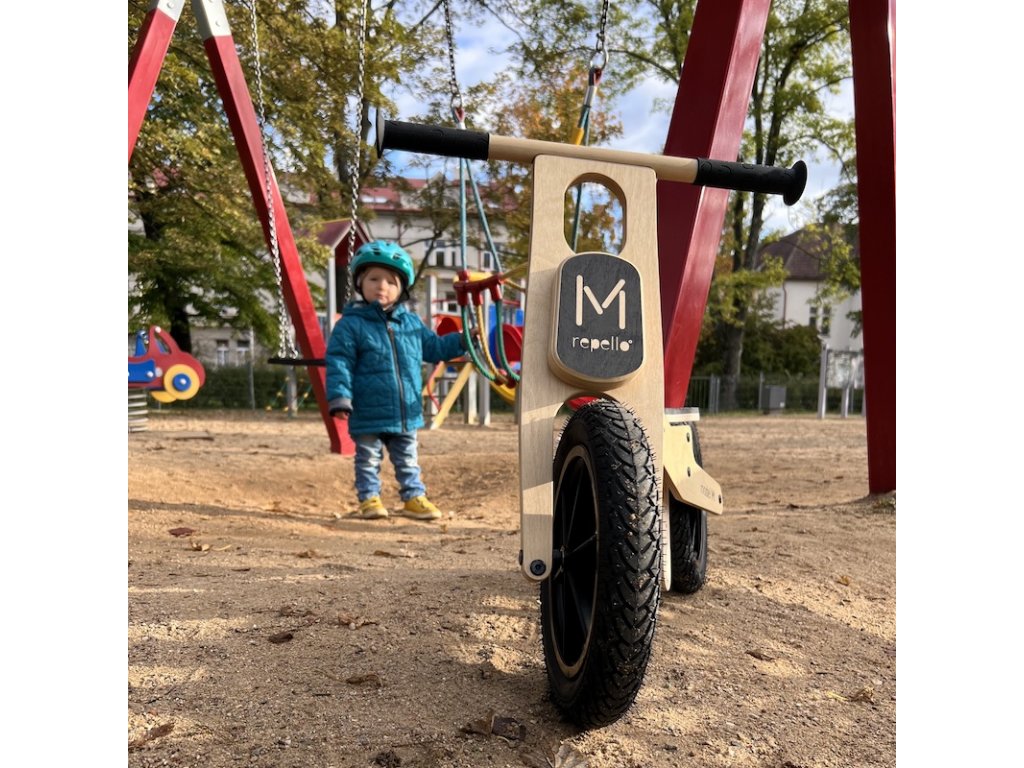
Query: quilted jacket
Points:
[374, 366]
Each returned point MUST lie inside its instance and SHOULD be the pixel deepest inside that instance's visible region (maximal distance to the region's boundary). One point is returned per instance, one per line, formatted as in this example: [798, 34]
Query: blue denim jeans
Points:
[402, 449]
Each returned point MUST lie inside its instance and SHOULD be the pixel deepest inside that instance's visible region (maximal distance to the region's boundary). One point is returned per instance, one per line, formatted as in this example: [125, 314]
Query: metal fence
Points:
[287, 389]
[705, 392]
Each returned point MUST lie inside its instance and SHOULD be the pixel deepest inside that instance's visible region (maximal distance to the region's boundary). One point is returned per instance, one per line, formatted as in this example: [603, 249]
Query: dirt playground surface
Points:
[268, 629]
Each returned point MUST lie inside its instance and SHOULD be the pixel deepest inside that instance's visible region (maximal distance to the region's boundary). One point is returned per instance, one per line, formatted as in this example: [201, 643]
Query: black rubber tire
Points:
[689, 534]
[599, 606]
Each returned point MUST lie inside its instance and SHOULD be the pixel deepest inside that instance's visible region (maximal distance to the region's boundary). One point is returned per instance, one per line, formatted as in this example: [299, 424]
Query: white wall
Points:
[792, 305]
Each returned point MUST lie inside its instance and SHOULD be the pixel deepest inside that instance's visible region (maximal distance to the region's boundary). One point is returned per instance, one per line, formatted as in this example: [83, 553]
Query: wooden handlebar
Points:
[477, 145]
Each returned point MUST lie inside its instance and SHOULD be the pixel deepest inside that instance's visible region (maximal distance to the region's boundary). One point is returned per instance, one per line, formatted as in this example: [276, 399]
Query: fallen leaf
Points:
[288, 610]
[179, 532]
[481, 726]
[867, 693]
[370, 678]
[354, 622]
[508, 728]
[387, 759]
[533, 759]
[281, 637]
[153, 733]
[759, 654]
[569, 757]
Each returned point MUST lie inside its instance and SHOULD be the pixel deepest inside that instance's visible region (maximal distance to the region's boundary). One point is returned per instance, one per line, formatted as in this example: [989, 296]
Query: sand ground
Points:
[266, 628]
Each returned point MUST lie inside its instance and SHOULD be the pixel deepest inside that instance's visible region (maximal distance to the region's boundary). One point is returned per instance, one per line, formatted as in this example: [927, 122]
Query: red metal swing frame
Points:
[707, 121]
[143, 69]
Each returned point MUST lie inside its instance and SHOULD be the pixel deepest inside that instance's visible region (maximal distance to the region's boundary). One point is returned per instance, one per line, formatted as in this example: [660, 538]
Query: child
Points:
[374, 377]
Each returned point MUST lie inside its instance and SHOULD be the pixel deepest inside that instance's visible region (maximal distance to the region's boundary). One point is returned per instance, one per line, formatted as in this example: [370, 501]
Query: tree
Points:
[200, 255]
[805, 58]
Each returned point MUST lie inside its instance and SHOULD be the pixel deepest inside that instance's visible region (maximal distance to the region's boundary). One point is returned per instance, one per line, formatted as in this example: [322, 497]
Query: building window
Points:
[449, 304]
[242, 351]
[223, 347]
[821, 319]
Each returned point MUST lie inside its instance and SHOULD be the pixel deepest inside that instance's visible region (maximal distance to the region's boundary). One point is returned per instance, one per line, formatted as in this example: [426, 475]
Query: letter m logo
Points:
[617, 291]
[598, 319]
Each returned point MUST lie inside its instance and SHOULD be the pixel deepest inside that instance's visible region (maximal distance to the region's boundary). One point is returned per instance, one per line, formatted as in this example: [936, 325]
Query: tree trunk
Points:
[181, 330]
[733, 354]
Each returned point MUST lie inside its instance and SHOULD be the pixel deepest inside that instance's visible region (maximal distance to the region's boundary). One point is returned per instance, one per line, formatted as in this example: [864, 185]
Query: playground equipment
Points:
[160, 367]
[512, 340]
[626, 470]
[618, 548]
[143, 69]
[710, 107]
[470, 288]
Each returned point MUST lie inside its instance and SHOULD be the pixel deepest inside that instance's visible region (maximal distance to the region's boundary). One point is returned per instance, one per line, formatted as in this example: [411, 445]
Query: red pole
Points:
[227, 71]
[146, 60]
[707, 121]
[873, 40]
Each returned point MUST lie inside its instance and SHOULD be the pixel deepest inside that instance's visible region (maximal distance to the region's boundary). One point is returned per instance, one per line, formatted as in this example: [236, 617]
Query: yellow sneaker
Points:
[420, 508]
[372, 509]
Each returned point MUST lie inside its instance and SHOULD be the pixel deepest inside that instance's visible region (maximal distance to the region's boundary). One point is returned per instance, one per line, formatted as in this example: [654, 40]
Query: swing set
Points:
[620, 514]
[495, 350]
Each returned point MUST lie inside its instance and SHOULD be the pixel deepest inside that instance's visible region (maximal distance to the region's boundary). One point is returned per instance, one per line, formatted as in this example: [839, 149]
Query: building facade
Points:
[795, 302]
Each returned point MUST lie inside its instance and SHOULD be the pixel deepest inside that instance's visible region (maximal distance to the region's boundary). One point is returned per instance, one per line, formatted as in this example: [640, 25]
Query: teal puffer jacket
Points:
[374, 367]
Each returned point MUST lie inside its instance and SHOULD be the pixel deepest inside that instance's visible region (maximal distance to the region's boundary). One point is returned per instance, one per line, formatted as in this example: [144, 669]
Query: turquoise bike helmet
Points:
[385, 254]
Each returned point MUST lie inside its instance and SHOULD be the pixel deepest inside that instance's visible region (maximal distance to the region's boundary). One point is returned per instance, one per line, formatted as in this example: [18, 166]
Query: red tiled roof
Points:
[331, 233]
[389, 198]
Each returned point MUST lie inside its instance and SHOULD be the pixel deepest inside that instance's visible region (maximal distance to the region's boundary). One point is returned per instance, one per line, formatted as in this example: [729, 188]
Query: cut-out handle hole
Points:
[593, 218]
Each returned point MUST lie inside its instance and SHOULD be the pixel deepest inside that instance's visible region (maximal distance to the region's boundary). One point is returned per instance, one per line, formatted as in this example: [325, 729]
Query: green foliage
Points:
[228, 387]
[735, 289]
[840, 264]
[768, 347]
[201, 255]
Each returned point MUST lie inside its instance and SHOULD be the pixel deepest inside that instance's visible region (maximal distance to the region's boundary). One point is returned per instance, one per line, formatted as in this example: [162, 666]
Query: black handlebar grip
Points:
[431, 140]
[788, 182]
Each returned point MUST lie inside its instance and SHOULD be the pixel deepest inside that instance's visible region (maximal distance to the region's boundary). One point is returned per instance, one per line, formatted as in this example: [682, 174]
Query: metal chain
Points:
[357, 131]
[600, 54]
[286, 342]
[453, 80]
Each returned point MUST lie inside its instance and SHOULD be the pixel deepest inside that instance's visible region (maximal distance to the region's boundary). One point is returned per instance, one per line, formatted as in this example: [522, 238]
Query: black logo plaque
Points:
[599, 318]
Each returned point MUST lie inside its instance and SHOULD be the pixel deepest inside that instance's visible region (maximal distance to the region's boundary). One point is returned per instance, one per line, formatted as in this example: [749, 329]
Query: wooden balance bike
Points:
[595, 521]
